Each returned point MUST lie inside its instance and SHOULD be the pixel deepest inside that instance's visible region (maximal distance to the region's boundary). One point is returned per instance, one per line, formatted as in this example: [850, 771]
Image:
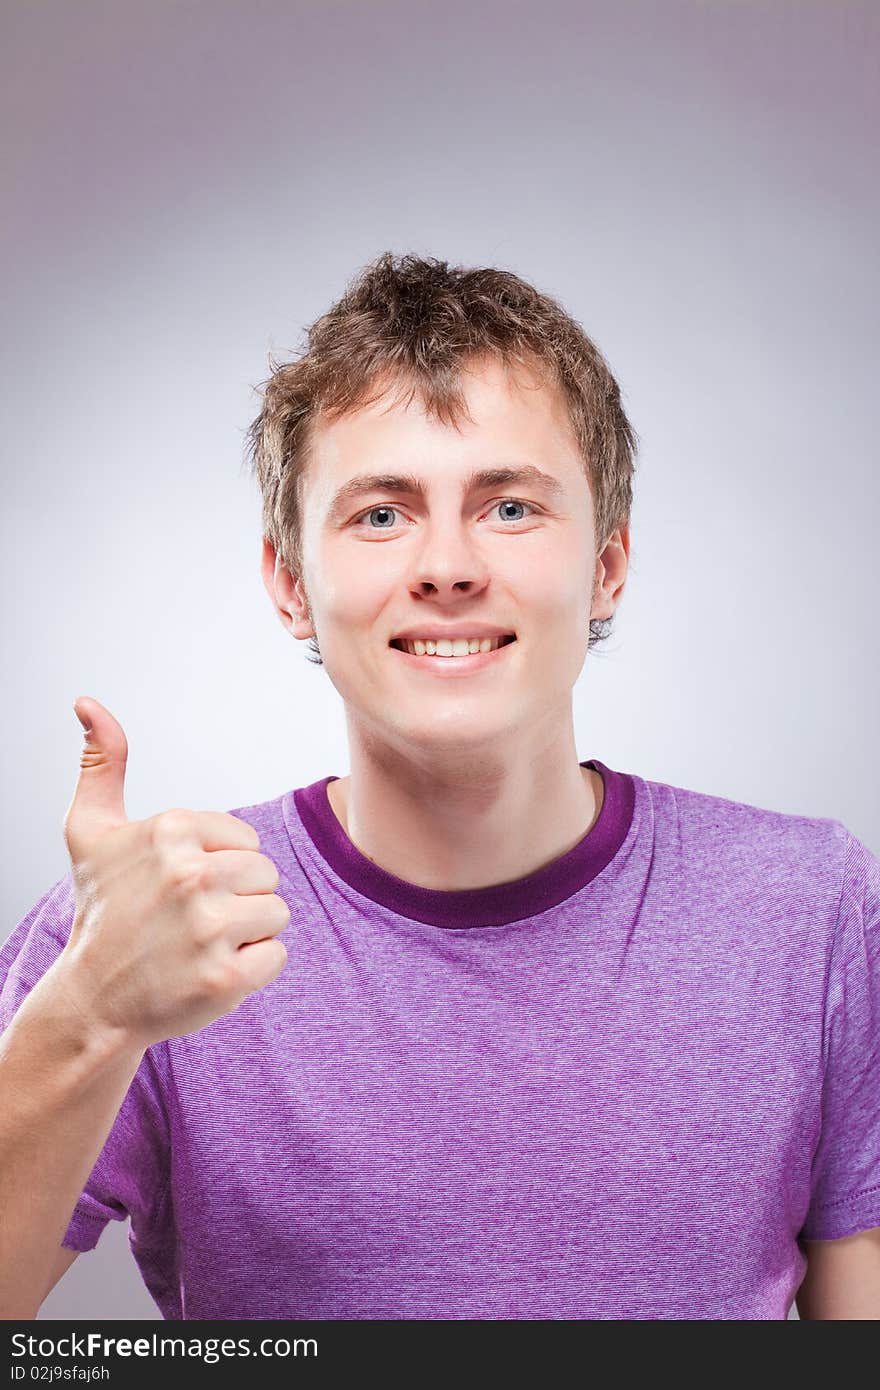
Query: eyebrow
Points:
[408, 484]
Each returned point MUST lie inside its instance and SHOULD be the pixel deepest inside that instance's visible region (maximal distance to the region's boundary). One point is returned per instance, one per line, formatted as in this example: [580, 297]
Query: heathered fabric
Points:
[621, 1087]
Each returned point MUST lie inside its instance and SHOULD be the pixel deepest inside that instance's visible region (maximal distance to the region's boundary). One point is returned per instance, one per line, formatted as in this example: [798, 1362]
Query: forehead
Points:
[516, 414]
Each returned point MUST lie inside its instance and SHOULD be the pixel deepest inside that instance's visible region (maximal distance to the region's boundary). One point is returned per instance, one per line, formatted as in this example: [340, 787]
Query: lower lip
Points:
[455, 665]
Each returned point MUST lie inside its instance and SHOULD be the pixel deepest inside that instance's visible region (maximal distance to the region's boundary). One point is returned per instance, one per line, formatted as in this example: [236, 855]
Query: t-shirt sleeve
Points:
[130, 1177]
[845, 1179]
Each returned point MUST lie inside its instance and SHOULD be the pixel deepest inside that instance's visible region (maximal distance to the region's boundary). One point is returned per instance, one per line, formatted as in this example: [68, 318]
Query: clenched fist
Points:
[176, 916]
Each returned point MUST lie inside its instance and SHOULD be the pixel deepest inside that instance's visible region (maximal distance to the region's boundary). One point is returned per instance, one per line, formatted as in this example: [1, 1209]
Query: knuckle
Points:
[173, 825]
[72, 839]
[207, 922]
[221, 978]
[186, 875]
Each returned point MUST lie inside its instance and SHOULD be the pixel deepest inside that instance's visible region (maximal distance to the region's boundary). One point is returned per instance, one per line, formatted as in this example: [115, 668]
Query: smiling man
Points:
[487, 549]
[552, 1040]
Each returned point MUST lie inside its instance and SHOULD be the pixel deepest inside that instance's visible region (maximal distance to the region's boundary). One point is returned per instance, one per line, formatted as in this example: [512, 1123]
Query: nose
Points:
[448, 563]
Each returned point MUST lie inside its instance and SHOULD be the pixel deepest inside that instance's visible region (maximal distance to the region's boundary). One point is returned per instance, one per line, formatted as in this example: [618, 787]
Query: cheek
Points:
[350, 595]
[552, 587]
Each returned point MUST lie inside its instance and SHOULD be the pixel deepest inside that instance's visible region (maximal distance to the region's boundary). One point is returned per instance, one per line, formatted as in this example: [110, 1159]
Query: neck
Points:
[469, 824]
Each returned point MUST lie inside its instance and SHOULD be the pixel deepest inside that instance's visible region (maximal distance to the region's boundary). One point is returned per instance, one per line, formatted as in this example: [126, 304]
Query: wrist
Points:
[70, 990]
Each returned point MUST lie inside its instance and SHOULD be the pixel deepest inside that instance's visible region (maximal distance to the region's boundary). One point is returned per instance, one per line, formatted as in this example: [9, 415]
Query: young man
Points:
[547, 1040]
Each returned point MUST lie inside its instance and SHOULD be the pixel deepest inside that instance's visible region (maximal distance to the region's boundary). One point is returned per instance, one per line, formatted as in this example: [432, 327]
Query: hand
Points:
[176, 916]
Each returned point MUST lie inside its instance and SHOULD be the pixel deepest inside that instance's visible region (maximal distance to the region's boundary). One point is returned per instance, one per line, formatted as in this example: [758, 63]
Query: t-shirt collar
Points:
[472, 907]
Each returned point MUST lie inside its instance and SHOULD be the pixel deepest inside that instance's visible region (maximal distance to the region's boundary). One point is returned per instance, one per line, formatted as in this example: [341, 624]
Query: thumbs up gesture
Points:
[176, 916]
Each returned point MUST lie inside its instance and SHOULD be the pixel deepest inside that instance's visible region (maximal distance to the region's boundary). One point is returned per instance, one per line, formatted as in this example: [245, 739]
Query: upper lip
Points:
[435, 633]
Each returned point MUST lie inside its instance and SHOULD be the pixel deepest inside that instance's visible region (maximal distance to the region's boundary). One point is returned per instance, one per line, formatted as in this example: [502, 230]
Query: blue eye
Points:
[377, 509]
[512, 502]
[385, 507]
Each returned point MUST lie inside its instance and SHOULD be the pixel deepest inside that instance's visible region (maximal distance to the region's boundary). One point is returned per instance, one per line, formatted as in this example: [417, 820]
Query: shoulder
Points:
[708, 810]
[283, 839]
[749, 840]
[267, 818]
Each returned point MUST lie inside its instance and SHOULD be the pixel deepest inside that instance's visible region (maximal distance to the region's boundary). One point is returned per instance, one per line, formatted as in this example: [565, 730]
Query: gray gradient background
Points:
[190, 184]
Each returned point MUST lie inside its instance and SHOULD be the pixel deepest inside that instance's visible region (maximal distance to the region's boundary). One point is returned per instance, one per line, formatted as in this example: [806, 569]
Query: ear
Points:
[611, 571]
[287, 594]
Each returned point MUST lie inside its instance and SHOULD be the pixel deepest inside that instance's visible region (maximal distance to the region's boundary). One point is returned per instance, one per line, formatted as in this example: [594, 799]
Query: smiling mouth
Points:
[403, 645]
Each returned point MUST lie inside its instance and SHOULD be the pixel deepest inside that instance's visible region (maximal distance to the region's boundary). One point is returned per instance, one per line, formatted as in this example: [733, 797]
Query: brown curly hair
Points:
[417, 321]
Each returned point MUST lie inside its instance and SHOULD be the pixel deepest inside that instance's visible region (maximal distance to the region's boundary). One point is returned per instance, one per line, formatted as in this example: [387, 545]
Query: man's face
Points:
[517, 555]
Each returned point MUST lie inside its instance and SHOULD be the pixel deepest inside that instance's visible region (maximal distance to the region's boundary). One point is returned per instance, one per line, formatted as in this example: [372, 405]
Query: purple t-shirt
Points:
[621, 1087]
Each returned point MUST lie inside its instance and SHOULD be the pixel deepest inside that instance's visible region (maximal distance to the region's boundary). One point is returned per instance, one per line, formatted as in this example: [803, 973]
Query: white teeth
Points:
[445, 646]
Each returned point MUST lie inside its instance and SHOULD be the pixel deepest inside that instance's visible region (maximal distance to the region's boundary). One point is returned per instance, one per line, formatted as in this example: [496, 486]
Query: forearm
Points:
[62, 1083]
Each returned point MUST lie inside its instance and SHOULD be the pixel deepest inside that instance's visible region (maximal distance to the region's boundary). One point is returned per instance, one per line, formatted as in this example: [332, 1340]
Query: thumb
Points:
[98, 803]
